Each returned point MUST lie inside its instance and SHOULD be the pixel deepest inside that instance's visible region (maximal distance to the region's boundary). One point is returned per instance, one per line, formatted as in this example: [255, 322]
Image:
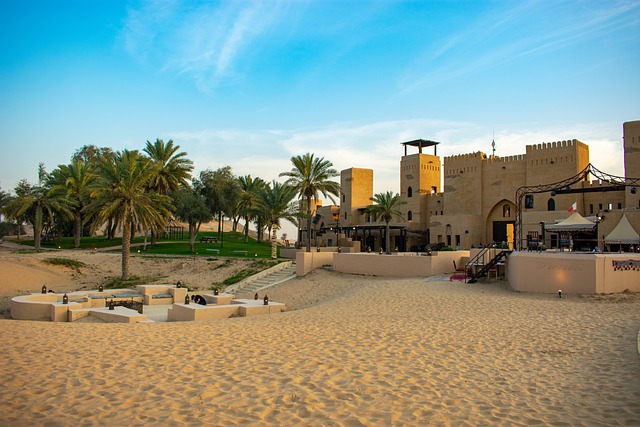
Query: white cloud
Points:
[205, 42]
[377, 145]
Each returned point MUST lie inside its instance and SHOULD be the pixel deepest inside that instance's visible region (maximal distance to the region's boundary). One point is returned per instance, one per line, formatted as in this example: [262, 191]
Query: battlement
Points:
[477, 154]
[551, 145]
[505, 159]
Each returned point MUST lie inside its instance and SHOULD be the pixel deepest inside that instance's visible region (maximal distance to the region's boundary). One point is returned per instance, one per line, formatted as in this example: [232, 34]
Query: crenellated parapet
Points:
[552, 145]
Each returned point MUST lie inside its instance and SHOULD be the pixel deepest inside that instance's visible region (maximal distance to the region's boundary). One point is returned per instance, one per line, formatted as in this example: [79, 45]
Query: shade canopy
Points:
[623, 233]
[575, 223]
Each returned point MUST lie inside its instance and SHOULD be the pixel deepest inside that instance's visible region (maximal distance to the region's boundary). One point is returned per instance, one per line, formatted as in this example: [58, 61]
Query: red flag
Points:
[573, 207]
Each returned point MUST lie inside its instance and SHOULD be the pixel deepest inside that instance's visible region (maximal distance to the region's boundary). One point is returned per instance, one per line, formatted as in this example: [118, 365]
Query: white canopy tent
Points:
[623, 234]
[575, 223]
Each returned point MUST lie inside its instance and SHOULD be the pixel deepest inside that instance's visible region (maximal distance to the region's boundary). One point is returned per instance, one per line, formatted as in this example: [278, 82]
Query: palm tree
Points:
[76, 181]
[310, 177]
[386, 207]
[36, 202]
[172, 170]
[249, 188]
[275, 203]
[122, 193]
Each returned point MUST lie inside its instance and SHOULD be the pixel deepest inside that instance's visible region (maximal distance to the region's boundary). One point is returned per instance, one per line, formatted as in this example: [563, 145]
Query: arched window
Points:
[410, 216]
[506, 211]
[551, 205]
[409, 192]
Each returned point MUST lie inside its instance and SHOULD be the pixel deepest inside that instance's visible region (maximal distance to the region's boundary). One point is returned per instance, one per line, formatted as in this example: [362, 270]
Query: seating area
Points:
[128, 305]
[120, 305]
[222, 306]
[206, 239]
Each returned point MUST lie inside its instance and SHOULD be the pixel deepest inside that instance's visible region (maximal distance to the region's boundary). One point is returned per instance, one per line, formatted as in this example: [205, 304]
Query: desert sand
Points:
[350, 351]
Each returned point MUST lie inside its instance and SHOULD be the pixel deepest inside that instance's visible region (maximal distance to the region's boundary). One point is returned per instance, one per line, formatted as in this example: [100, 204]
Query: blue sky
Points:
[251, 83]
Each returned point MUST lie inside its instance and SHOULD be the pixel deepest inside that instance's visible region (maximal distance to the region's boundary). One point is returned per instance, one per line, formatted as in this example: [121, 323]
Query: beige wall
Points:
[573, 273]
[396, 265]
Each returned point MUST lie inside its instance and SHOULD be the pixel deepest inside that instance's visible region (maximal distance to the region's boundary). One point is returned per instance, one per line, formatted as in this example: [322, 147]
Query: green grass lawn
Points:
[231, 245]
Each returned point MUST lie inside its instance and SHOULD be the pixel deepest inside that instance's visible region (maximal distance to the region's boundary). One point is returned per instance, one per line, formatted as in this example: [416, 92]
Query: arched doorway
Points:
[500, 223]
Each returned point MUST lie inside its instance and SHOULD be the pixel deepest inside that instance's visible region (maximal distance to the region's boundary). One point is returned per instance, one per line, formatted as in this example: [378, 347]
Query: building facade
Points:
[477, 203]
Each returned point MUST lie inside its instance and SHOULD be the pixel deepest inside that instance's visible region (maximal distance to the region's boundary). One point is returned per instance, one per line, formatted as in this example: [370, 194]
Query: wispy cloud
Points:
[376, 145]
[205, 42]
[499, 37]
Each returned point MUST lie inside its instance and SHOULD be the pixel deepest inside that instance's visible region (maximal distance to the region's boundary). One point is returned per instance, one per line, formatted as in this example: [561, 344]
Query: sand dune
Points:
[351, 351]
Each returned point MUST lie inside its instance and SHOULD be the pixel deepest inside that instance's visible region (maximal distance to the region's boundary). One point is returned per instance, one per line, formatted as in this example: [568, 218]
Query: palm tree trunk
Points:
[77, 230]
[386, 238]
[274, 248]
[246, 229]
[126, 247]
[37, 227]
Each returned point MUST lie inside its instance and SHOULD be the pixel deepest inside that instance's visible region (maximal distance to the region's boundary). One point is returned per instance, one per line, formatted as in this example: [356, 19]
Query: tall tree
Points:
[122, 193]
[37, 201]
[310, 177]
[171, 170]
[75, 180]
[249, 188]
[275, 203]
[221, 191]
[386, 206]
[191, 208]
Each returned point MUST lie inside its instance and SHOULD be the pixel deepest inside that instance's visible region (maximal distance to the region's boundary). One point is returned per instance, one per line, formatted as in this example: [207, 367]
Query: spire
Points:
[493, 144]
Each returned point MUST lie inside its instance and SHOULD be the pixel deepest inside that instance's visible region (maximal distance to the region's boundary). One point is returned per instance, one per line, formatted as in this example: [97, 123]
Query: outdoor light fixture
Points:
[111, 306]
[318, 249]
[65, 299]
[380, 251]
[215, 291]
[553, 193]
[339, 250]
[178, 285]
[186, 299]
[559, 293]
[44, 289]
[368, 249]
[255, 297]
[266, 300]
[100, 288]
[633, 190]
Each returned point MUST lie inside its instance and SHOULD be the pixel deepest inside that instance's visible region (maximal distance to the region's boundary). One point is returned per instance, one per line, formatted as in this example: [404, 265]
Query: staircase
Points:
[265, 279]
[482, 268]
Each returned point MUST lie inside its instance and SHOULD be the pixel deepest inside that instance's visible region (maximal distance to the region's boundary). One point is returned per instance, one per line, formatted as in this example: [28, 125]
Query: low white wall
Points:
[404, 264]
[573, 273]
[307, 261]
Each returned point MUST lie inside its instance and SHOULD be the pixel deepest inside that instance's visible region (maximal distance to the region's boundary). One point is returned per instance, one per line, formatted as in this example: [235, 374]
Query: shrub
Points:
[65, 262]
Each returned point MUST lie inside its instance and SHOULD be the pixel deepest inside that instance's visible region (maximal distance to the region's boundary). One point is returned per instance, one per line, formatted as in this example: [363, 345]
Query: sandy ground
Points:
[351, 351]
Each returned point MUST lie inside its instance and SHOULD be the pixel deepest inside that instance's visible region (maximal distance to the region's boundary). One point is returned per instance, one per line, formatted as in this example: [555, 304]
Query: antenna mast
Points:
[493, 144]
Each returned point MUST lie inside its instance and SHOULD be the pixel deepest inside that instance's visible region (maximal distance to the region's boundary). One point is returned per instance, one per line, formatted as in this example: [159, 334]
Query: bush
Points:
[65, 262]
[9, 229]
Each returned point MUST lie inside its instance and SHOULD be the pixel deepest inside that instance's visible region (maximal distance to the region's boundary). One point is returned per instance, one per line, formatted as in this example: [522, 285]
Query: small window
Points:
[457, 240]
[409, 192]
[551, 205]
[344, 198]
[591, 208]
[506, 211]
[345, 215]
[410, 216]
[619, 205]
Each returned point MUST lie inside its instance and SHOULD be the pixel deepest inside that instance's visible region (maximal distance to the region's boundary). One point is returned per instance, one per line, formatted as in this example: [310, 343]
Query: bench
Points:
[240, 252]
[214, 250]
[208, 239]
